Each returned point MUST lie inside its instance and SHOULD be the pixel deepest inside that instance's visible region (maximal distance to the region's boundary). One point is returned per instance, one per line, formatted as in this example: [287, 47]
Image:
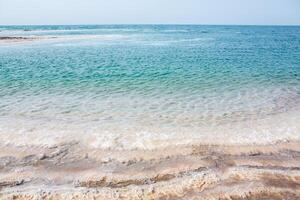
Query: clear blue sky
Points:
[280, 12]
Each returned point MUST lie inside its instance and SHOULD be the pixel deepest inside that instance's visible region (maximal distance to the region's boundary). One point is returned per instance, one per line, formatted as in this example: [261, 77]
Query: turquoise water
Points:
[149, 86]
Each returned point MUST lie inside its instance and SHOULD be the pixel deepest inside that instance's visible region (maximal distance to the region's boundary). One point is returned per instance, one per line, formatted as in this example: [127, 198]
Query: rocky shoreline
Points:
[74, 171]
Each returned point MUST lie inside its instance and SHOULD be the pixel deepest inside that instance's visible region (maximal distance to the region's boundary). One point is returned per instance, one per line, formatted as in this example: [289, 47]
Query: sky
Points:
[248, 12]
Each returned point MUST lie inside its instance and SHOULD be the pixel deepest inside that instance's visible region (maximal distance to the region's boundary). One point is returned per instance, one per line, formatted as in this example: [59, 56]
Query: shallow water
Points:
[150, 86]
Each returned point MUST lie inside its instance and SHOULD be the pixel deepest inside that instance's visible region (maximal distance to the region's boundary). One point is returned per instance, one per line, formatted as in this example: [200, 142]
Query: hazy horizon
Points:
[117, 12]
[149, 24]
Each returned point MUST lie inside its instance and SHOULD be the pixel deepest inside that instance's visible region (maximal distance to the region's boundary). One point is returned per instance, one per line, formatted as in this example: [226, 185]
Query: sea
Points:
[149, 86]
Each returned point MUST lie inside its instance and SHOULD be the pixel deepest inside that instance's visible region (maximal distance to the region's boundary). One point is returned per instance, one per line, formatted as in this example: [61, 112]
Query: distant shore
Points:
[14, 39]
[32, 38]
[22, 39]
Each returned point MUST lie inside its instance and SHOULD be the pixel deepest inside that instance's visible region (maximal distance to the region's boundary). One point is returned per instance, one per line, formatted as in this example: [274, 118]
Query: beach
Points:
[149, 112]
[70, 171]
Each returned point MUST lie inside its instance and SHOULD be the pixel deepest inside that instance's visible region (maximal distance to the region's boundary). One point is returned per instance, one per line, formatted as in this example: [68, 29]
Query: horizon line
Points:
[166, 24]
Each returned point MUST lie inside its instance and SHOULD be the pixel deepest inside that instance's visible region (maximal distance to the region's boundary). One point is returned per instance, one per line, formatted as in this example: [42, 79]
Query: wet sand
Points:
[74, 171]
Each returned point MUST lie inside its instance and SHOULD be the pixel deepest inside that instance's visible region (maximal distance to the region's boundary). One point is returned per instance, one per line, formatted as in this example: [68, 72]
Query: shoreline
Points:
[282, 127]
[72, 170]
